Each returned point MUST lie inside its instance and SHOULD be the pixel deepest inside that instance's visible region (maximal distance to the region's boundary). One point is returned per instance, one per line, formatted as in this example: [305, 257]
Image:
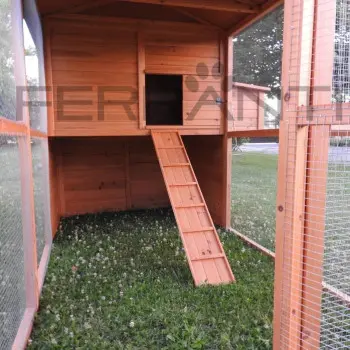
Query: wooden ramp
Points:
[205, 255]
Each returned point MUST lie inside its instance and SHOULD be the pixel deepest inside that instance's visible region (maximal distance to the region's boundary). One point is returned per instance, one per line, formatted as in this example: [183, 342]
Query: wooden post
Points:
[141, 65]
[301, 214]
[285, 191]
[227, 142]
[298, 236]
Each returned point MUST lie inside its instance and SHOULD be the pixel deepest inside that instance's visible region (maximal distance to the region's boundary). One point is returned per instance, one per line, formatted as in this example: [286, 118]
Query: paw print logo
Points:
[211, 95]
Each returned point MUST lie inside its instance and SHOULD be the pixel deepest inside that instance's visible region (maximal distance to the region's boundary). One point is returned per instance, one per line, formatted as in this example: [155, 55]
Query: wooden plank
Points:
[254, 133]
[141, 81]
[290, 44]
[48, 77]
[37, 133]
[218, 5]
[323, 52]
[11, 127]
[296, 283]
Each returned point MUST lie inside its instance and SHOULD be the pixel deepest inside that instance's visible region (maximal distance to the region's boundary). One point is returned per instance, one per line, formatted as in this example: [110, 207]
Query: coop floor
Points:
[121, 281]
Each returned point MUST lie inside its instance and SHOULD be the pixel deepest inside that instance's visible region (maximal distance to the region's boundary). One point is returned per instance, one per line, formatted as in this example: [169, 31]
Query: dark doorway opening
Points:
[163, 99]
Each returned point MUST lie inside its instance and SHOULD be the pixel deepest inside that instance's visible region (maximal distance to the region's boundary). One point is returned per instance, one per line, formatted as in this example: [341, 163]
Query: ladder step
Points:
[208, 256]
[209, 228]
[174, 165]
[184, 184]
[171, 147]
[199, 205]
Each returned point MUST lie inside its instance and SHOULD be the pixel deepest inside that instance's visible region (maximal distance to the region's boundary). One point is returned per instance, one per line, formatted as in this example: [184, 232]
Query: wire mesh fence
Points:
[12, 276]
[24, 197]
[253, 186]
[41, 205]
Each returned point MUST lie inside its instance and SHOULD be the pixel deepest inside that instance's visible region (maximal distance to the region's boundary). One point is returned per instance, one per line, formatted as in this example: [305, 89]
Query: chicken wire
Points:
[12, 280]
[41, 199]
[7, 58]
[254, 186]
[335, 328]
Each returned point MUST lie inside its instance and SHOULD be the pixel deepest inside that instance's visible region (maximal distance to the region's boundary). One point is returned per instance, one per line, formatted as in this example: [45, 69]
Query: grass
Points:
[253, 188]
[121, 281]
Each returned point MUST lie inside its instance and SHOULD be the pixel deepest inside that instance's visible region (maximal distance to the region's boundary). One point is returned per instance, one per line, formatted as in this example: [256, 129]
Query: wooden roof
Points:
[227, 15]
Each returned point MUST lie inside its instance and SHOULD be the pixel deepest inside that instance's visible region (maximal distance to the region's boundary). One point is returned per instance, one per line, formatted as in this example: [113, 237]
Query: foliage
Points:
[7, 81]
[121, 281]
[258, 53]
[341, 71]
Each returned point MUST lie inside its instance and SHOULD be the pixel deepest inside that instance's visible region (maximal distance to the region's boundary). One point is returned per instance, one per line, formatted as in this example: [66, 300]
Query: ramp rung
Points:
[209, 256]
[199, 205]
[199, 242]
[174, 165]
[170, 147]
[199, 230]
[184, 184]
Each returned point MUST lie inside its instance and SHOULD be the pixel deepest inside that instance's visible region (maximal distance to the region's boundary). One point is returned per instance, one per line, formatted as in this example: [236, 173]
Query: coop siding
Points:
[109, 54]
[186, 54]
[206, 154]
[93, 57]
[109, 174]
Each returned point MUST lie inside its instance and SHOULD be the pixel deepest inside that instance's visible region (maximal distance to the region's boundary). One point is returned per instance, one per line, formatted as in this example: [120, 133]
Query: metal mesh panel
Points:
[7, 78]
[253, 186]
[258, 106]
[12, 284]
[41, 202]
[335, 331]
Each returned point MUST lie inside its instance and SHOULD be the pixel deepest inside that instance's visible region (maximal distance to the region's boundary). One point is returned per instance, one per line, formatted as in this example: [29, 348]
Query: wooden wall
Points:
[88, 53]
[108, 174]
[248, 107]
[94, 174]
[207, 157]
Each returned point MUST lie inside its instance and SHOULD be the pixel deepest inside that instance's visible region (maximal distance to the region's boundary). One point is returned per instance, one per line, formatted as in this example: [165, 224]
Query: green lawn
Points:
[253, 188]
[121, 281]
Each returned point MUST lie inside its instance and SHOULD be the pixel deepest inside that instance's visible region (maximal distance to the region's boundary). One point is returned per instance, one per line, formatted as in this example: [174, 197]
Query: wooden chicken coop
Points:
[123, 71]
[135, 109]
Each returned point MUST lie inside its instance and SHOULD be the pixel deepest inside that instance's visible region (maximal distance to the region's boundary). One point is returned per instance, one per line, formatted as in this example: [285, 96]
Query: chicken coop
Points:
[121, 105]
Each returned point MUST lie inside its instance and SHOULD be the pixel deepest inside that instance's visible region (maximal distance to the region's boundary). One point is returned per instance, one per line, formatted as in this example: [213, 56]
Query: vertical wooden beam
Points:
[60, 183]
[227, 142]
[323, 52]
[291, 43]
[261, 110]
[49, 82]
[127, 175]
[298, 273]
[141, 65]
[306, 51]
[294, 330]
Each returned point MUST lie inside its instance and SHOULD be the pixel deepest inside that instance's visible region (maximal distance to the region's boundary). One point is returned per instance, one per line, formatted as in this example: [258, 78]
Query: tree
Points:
[7, 79]
[341, 68]
[258, 53]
